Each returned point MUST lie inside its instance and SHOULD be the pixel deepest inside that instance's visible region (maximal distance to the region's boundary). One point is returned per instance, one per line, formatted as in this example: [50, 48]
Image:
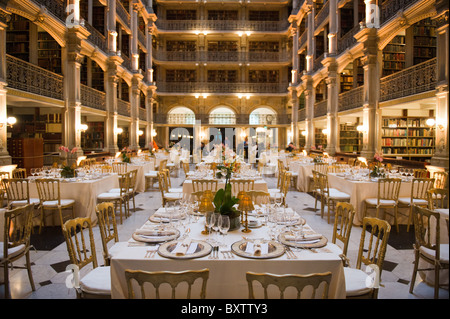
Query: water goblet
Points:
[224, 226]
[209, 222]
[217, 222]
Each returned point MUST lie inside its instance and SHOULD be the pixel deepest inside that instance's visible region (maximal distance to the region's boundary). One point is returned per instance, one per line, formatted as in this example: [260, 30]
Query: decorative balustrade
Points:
[303, 39]
[302, 114]
[322, 15]
[142, 114]
[222, 25]
[30, 78]
[123, 13]
[351, 99]
[390, 8]
[142, 39]
[348, 40]
[221, 56]
[318, 62]
[123, 107]
[92, 98]
[126, 61]
[55, 7]
[221, 87]
[298, 7]
[320, 108]
[96, 37]
[413, 80]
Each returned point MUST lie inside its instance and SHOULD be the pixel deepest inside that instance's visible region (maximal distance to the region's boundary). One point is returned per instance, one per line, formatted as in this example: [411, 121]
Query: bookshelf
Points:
[346, 79]
[18, 38]
[407, 137]
[93, 137]
[263, 46]
[223, 15]
[424, 40]
[222, 76]
[359, 70]
[256, 15]
[49, 53]
[350, 140]
[123, 140]
[394, 55]
[320, 139]
[98, 77]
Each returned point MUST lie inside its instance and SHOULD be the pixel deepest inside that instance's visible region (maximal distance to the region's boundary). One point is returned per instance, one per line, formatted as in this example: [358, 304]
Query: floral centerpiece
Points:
[126, 155]
[224, 201]
[68, 171]
[376, 165]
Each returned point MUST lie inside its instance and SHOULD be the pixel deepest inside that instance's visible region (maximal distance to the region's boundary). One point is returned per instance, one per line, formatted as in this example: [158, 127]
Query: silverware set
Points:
[150, 253]
[290, 254]
[227, 254]
[214, 253]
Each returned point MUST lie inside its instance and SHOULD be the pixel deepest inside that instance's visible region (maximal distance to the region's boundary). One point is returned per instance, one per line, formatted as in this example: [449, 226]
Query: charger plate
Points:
[203, 249]
[321, 242]
[156, 238]
[275, 249]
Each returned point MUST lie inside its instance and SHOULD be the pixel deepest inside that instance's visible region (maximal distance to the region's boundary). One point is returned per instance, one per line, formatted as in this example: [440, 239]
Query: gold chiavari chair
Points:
[343, 223]
[18, 192]
[151, 176]
[283, 282]
[437, 198]
[420, 173]
[387, 198]
[329, 196]
[108, 228]
[169, 184]
[186, 168]
[259, 197]
[428, 248]
[119, 167]
[3, 175]
[176, 281]
[16, 242]
[119, 198]
[79, 237]
[418, 197]
[19, 173]
[204, 184]
[440, 178]
[241, 185]
[372, 251]
[49, 190]
[163, 187]
[321, 168]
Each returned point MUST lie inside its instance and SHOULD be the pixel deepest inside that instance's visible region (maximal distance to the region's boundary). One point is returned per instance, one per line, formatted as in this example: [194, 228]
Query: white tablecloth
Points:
[84, 193]
[360, 190]
[227, 276]
[142, 169]
[304, 171]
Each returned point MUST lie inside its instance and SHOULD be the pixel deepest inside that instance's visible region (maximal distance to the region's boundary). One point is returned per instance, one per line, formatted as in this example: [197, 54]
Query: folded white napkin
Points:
[153, 232]
[185, 247]
[305, 237]
[163, 213]
[257, 248]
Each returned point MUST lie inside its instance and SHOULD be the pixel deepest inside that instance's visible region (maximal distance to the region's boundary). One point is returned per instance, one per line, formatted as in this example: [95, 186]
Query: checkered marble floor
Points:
[49, 266]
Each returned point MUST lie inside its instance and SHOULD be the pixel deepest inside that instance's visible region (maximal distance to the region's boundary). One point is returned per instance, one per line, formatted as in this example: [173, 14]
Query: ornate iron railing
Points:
[318, 62]
[390, 8]
[56, 7]
[93, 98]
[96, 37]
[322, 15]
[413, 80]
[221, 56]
[348, 40]
[142, 114]
[221, 87]
[320, 108]
[123, 107]
[241, 119]
[303, 38]
[351, 99]
[225, 25]
[126, 61]
[30, 78]
[302, 114]
[123, 13]
[141, 38]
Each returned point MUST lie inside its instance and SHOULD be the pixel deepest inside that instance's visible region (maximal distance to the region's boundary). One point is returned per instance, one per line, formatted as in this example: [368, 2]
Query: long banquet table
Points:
[142, 169]
[84, 192]
[360, 190]
[227, 278]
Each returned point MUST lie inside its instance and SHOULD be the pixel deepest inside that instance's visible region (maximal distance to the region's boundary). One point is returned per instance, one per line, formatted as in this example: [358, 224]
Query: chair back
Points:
[108, 227]
[106, 168]
[284, 281]
[119, 167]
[185, 167]
[17, 189]
[280, 180]
[169, 182]
[133, 179]
[440, 179]
[160, 278]
[424, 222]
[281, 165]
[162, 183]
[437, 198]
[19, 173]
[80, 246]
[241, 185]
[343, 223]
[420, 188]
[420, 173]
[18, 223]
[200, 185]
[124, 183]
[162, 165]
[321, 167]
[259, 197]
[334, 169]
[389, 188]
[48, 189]
[374, 239]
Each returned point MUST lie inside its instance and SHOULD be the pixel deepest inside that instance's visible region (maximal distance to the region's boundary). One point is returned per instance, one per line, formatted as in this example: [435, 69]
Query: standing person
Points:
[290, 147]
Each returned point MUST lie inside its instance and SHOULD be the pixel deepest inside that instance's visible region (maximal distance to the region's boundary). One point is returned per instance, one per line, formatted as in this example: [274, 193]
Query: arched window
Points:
[263, 116]
[181, 115]
[222, 115]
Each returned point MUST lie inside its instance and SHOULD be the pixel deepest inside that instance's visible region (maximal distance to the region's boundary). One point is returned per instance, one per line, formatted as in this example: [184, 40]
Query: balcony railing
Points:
[141, 38]
[322, 15]
[142, 114]
[123, 13]
[413, 80]
[348, 40]
[318, 62]
[302, 114]
[224, 119]
[93, 98]
[320, 108]
[221, 56]
[123, 107]
[303, 39]
[126, 61]
[222, 25]
[56, 7]
[351, 99]
[30, 78]
[96, 37]
[298, 7]
[221, 87]
[390, 8]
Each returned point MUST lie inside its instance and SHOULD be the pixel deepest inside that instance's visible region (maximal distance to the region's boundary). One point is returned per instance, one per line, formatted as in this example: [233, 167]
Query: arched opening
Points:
[222, 116]
[181, 115]
[263, 116]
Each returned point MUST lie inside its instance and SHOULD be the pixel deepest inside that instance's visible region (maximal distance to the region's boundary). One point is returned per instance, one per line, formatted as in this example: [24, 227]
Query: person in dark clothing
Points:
[290, 147]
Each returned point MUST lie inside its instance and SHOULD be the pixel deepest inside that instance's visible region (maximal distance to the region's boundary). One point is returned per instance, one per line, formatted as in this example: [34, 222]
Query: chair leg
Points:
[409, 218]
[416, 265]
[42, 223]
[30, 274]
[6, 280]
[436, 280]
[396, 219]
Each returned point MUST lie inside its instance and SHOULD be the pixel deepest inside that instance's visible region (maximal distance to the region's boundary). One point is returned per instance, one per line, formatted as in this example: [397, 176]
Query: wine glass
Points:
[209, 221]
[217, 222]
[224, 226]
[33, 171]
